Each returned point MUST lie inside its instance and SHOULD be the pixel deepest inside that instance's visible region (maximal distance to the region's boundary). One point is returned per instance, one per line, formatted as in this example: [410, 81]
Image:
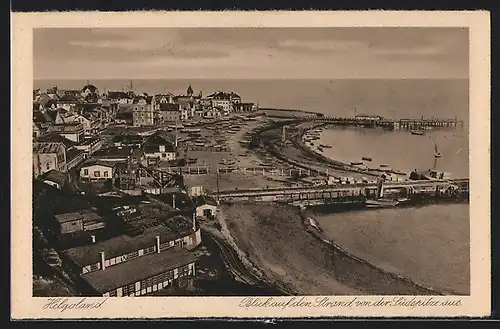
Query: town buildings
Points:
[49, 156]
[143, 114]
[98, 170]
[139, 264]
[121, 138]
[78, 222]
[160, 146]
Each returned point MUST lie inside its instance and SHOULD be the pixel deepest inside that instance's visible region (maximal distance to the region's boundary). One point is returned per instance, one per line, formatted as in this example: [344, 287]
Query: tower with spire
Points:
[190, 91]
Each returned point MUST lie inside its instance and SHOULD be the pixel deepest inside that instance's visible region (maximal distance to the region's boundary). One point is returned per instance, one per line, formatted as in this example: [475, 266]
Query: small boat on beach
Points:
[417, 132]
[366, 158]
[320, 148]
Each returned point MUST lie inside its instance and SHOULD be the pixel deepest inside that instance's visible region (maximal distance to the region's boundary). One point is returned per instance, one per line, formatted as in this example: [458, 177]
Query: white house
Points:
[98, 170]
[205, 206]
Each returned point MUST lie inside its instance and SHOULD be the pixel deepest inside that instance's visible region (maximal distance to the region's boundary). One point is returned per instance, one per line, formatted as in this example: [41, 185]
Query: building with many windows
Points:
[134, 265]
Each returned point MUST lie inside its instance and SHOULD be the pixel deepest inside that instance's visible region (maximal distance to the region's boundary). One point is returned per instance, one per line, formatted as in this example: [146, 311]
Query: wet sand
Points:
[275, 240]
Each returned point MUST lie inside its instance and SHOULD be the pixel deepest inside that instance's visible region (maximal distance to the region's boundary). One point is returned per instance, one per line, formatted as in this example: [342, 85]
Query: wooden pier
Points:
[388, 124]
[349, 193]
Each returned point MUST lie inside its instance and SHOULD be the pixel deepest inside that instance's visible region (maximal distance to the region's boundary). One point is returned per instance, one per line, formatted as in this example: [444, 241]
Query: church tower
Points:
[190, 91]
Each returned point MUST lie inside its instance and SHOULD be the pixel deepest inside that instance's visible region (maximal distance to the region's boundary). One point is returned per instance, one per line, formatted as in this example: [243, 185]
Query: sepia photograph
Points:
[268, 161]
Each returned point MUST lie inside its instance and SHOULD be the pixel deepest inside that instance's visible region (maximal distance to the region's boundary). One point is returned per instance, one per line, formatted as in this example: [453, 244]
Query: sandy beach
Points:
[276, 241]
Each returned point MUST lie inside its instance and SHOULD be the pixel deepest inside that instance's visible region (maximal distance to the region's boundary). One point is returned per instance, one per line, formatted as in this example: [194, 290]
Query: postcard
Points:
[250, 164]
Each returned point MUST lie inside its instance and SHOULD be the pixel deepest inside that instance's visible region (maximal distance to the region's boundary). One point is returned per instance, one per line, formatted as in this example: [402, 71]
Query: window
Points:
[131, 288]
[165, 246]
[149, 250]
[125, 291]
[183, 270]
[94, 267]
[144, 284]
[86, 172]
[179, 243]
[105, 174]
[112, 293]
[132, 255]
[97, 173]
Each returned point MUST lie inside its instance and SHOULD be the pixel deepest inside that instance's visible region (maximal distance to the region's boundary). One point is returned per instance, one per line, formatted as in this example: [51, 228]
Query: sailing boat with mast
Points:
[437, 154]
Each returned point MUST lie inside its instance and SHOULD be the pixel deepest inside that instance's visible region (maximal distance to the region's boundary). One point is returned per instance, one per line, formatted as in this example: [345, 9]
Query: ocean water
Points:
[429, 245]
[400, 149]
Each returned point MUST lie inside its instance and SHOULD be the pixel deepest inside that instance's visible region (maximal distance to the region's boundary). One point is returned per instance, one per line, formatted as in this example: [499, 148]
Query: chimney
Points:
[103, 259]
[173, 201]
[158, 244]
[92, 237]
[194, 221]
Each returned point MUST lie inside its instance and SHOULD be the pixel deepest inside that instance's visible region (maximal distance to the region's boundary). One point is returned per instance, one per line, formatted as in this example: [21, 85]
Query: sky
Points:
[251, 53]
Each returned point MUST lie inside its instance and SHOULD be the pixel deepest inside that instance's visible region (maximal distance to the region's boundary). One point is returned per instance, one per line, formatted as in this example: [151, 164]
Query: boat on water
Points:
[417, 132]
[326, 146]
[437, 154]
[356, 163]
[366, 158]
[384, 165]
[381, 203]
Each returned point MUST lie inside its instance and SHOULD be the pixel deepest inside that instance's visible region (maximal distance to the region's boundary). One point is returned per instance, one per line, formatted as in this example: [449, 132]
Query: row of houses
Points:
[170, 108]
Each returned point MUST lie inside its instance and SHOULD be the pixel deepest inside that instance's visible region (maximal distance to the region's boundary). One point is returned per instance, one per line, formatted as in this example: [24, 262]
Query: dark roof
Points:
[54, 176]
[53, 137]
[122, 244]
[47, 147]
[93, 162]
[203, 200]
[119, 151]
[69, 98]
[223, 95]
[68, 217]
[118, 95]
[159, 138]
[70, 127]
[138, 98]
[144, 267]
[42, 117]
[90, 87]
[73, 153]
[158, 97]
[244, 104]
[169, 107]
[127, 138]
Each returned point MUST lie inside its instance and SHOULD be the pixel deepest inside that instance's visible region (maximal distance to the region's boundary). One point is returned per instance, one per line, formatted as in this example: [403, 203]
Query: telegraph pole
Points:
[218, 197]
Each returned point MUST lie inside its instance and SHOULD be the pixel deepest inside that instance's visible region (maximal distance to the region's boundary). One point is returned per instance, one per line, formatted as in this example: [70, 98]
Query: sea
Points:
[436, 238]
